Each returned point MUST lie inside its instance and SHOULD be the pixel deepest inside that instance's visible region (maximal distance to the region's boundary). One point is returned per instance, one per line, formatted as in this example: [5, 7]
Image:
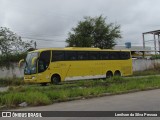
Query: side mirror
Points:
[20, 62]
[34, 60]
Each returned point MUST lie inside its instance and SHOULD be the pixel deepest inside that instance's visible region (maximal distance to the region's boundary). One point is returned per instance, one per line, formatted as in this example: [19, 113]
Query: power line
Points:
[42, 39]
[28, 33]
[43, 35]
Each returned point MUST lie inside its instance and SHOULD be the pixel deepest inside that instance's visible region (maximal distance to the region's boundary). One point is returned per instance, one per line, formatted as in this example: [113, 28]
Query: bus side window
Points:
[114, 56]
[125, 55]
[82, 55]
[104, 55]
[57, 56]
[93, 55]
[70, 55]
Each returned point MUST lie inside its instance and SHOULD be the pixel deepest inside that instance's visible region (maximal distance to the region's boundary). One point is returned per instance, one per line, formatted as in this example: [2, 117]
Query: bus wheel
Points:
[117, 73]
[109, 74]
[55, 79]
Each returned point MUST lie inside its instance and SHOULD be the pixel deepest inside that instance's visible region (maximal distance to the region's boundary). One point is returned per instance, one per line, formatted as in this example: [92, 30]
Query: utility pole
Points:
[159, 42]
[143, 45]
[35, 45]
[155, 43]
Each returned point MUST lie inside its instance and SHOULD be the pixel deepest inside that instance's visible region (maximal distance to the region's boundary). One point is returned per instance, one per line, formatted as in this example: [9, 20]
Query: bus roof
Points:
[77, 48]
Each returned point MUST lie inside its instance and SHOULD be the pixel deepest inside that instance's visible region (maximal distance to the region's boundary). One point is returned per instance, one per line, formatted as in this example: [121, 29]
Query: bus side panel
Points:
[81, 69]
[75, 68]
[55, 68]
[124, 66]
[127, 67]
[108, 66]
[95, 67]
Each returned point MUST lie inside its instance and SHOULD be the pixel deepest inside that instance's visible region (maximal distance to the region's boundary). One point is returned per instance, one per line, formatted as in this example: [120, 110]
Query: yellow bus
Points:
[54, 65]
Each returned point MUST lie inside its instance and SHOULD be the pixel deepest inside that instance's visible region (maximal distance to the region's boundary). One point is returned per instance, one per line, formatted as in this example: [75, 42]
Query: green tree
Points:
[11, 43]
[12, 48]
[94, 32]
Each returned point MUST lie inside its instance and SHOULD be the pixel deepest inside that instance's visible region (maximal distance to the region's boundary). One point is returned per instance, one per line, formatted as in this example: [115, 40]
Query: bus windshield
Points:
[29, 67]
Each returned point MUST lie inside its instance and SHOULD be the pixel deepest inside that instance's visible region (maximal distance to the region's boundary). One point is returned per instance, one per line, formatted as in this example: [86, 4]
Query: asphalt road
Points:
[138, 101]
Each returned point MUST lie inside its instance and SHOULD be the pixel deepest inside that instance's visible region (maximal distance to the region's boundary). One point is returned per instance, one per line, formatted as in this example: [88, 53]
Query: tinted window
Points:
[125, 55]
[44, 61]
[57, 55]
[82, 55]
[114, 55]
[45, 55]
[93, 55]
[70, 55]
[104, 55]
[89, 55]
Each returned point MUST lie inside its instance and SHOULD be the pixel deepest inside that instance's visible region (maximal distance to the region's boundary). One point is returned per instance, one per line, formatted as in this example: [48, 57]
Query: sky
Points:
[48, 21]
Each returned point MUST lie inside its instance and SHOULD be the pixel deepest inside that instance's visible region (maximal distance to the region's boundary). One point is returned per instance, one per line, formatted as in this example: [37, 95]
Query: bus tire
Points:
[55, 79]
[109, 74]
[117, 73]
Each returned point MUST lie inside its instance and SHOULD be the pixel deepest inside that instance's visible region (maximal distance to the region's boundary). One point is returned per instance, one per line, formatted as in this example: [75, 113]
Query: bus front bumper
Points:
[30, 79]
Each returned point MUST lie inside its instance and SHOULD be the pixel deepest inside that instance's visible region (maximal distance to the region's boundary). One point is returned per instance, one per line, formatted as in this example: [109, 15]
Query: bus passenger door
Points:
[43, 67]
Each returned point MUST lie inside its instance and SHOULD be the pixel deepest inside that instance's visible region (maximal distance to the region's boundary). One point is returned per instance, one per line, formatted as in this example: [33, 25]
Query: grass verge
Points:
[11, 81]
[146, 72]
[35, 95]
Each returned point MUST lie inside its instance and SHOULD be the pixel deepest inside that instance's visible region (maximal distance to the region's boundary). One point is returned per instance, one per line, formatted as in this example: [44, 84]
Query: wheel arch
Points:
[56, 75]
[109, 73]
[117, 73]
